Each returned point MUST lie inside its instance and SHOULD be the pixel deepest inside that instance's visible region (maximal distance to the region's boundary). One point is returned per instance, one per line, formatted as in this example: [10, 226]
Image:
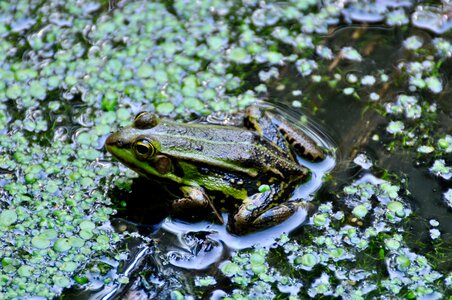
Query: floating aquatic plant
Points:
[72, 72]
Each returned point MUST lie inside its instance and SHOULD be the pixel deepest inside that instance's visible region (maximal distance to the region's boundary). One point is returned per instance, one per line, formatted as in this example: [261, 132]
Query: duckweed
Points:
[448, 197]
[440, 168]
[360, 211]
[230, 269]
[395, 127]
[368, 80]
[205, 281]
[395, 207]
[413, 43]
[8, 217]
[434, 84]
[308, 260]
[264, 188]
[351, 54]
[81, 72]
[320, 219]
[392, 244]
[435, 233]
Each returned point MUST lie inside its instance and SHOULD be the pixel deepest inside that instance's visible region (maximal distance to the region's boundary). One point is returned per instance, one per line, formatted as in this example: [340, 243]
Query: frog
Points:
[245, 162]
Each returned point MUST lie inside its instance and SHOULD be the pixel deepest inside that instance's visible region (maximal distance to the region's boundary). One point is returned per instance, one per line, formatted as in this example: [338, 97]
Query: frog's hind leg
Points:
[257, 213]
[299, 140]
[269, 124]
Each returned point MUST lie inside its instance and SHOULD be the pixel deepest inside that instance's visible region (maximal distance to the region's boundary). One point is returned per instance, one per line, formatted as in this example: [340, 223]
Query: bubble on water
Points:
[433, 223]
[352, 78]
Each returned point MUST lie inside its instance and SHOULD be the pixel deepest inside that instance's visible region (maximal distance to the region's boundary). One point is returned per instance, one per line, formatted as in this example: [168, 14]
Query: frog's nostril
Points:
[114, 140]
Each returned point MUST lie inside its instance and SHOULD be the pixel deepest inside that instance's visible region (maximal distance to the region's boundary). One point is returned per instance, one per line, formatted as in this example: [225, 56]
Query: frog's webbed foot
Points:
[268, 123]
[195, 200]
[278, 214]
[256, 213]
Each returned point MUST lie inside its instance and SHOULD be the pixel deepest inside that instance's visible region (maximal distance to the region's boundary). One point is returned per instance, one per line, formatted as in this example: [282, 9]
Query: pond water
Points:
[371, 80]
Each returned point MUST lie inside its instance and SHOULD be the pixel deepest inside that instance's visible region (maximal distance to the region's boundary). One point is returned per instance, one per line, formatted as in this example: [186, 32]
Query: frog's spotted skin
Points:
[232, 160]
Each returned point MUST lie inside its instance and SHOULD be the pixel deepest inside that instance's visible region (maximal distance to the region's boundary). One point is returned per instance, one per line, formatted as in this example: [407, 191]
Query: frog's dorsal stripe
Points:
[193, 157]
[223, 154]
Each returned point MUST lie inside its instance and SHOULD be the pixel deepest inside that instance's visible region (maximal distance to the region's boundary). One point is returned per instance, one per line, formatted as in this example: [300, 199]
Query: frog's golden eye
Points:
[145, 120]
[143, 149]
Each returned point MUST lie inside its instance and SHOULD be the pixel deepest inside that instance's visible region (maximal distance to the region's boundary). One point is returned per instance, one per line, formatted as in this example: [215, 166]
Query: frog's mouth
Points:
[121, 150]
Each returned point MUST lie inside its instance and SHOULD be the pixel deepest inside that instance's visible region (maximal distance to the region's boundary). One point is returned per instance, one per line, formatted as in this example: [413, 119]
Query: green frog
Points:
[247, 159]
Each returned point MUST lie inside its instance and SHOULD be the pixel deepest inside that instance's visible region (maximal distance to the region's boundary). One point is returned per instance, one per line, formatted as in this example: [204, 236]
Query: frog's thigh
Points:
[268, 123]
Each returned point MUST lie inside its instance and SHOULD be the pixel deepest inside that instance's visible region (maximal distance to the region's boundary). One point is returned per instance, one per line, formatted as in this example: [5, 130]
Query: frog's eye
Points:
[140, 114]
[145, 120]
[143, 149]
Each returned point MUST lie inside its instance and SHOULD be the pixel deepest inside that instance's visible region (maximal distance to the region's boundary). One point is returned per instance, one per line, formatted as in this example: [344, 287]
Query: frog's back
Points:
[230, 147]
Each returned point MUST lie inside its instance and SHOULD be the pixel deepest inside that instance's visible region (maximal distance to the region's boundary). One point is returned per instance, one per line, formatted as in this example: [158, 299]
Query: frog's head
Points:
[136, 147]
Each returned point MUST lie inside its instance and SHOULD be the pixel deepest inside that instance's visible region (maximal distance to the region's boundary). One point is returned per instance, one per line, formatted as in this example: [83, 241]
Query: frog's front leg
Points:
[270, 125]
[257, 213]
[195, 199]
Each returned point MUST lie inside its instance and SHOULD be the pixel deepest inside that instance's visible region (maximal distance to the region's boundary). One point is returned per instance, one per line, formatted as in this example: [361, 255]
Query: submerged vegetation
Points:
[72, 71]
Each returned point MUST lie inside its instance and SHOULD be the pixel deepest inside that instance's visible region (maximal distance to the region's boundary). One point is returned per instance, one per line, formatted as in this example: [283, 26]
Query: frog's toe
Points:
[243, 224]
[275, 215]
